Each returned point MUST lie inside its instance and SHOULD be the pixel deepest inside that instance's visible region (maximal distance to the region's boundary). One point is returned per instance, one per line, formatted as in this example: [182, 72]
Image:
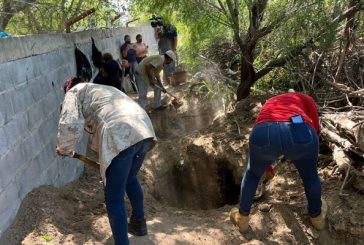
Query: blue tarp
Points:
[4, 34]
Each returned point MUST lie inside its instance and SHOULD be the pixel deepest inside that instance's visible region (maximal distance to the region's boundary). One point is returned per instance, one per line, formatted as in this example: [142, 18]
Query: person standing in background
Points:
[110, 73]
[140, 48]
[167, 40]
[128, 53]
[148, 75]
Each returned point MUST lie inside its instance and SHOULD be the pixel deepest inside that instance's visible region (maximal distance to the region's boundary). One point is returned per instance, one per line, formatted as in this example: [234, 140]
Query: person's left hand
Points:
[58, 152]
[61, 153]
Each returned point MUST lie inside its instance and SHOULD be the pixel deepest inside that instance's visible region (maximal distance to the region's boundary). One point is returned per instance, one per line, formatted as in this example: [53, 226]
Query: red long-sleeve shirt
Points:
[282, 107]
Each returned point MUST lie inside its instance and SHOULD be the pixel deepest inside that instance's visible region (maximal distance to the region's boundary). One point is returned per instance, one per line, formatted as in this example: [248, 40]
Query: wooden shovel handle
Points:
[86, 160]
[166, 92]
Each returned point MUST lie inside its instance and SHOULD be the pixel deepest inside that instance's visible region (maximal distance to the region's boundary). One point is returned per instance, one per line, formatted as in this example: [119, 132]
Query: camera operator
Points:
[166, 34]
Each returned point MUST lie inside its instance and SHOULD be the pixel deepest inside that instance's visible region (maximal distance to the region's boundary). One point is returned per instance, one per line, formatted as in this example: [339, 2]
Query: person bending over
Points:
[123, 134]
[288, 125]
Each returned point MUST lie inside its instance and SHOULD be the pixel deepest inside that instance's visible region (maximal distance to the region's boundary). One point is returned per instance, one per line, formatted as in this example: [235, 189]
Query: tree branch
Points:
[221, 9]
[234, 16]
[286, 14]
[79, 6]
[11, 8]
[281, 61]
[350, 11]
[6, 16]
[32, 18]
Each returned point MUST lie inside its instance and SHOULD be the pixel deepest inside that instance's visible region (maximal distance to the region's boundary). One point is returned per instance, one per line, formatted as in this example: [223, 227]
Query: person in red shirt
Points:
[288, 125]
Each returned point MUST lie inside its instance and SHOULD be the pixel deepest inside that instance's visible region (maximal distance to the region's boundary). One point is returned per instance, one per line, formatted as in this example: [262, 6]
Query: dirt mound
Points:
[47, 212]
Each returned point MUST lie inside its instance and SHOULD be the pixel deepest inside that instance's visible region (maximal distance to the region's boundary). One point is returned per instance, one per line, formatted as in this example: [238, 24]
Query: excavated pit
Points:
[183, 174]
[197, 182]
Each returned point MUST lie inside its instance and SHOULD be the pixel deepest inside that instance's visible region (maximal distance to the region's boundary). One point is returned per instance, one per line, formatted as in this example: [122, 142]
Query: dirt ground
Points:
[191, 181]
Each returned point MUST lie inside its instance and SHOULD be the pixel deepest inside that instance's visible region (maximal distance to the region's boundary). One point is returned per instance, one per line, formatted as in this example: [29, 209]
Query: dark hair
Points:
[125, 37]
[107, 57]
[74, 82]
[111, 67]
[138, 36]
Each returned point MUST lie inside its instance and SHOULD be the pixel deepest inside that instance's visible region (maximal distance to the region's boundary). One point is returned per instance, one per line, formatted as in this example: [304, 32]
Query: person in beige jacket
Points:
[122, 134]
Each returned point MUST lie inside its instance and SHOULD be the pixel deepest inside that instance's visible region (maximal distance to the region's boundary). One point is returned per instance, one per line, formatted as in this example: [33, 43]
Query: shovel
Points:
[85, 159]
[262, 188]
[175, 102]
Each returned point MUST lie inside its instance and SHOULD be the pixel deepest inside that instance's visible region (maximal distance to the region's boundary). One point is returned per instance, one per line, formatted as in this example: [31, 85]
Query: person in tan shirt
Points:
[148, 75]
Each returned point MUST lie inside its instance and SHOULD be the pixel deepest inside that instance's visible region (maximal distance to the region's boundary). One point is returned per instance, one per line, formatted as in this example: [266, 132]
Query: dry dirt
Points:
[191, 181]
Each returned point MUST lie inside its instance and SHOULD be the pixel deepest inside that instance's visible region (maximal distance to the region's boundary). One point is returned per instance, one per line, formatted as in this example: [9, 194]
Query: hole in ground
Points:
[198, 183]
[229, 189]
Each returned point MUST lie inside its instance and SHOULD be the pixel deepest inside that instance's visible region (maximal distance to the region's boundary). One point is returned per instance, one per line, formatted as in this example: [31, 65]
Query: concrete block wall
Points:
[32, 72]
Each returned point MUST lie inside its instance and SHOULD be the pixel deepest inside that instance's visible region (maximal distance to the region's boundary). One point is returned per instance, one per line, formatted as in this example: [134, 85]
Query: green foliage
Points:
[45, 16]
[280, 79]
[213, 90]
[47, 238]
[200, 25]
[196, 31]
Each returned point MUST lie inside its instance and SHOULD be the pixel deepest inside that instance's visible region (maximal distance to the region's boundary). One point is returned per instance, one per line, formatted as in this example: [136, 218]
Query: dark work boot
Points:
[137, 227]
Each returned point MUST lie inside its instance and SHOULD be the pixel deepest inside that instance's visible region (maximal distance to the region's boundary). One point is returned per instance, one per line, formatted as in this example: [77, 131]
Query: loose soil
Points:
[191, 181]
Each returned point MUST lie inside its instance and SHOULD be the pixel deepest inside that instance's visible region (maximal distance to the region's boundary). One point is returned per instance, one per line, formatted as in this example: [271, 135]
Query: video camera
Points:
[156, 21]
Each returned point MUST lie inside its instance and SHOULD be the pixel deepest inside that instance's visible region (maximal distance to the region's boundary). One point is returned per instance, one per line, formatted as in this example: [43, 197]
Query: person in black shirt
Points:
[109, 70]
[109, 73]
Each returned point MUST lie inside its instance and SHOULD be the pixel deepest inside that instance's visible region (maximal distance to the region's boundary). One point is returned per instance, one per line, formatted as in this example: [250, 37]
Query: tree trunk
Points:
[247, 77]
[6, 15]
[4, 22]
[347, 40]
[10, 9]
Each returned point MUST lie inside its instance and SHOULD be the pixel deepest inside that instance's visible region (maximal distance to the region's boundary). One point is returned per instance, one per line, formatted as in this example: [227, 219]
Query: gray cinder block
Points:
[11, 163]
[6, 106]
[16, 129]
[22, 99]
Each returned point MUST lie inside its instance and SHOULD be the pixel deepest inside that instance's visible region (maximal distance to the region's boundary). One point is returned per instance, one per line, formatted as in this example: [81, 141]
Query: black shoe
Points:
[137, 227]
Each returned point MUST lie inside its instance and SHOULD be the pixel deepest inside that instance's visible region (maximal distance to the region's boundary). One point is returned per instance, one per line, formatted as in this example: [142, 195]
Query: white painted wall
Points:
[32, 72]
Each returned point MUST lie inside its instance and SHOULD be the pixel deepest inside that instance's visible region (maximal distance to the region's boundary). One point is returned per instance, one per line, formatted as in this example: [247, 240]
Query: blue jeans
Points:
[132, 75]
[143, 90]
[270, 140]
[122, 176]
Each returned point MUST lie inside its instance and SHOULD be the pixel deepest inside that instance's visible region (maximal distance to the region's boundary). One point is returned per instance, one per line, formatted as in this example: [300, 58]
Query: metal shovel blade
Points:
[262, 187]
